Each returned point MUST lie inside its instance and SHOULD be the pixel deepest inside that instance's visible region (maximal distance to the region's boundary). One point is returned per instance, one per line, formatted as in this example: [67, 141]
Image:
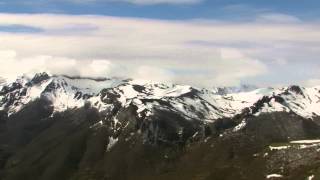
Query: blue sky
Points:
[197, 42]
[208, 9]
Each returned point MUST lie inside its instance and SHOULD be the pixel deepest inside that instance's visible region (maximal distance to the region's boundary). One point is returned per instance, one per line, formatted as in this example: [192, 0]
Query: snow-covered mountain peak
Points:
[66, 92]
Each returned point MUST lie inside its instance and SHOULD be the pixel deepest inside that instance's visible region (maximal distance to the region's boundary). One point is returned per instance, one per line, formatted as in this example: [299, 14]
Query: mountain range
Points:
[62, 127]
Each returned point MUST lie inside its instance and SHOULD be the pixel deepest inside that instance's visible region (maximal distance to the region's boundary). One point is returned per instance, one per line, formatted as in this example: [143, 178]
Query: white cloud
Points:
[312, 82]
[203, 53]
[8, 54]
[281, 62]
[231, 54]
[11, 66]
[157, 74]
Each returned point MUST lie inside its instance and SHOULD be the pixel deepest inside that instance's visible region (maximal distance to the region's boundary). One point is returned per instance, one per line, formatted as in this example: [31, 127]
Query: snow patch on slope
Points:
[112, 142]
[274, 176]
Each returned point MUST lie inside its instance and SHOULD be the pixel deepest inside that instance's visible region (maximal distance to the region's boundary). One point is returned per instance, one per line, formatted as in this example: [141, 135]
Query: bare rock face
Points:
[38, 78]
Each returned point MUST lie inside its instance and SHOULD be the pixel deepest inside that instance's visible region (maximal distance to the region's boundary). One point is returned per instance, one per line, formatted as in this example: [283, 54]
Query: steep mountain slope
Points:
[60, 127]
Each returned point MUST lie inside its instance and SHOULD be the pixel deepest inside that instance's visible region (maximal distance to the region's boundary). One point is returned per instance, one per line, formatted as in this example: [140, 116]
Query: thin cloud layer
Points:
[197, 52]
